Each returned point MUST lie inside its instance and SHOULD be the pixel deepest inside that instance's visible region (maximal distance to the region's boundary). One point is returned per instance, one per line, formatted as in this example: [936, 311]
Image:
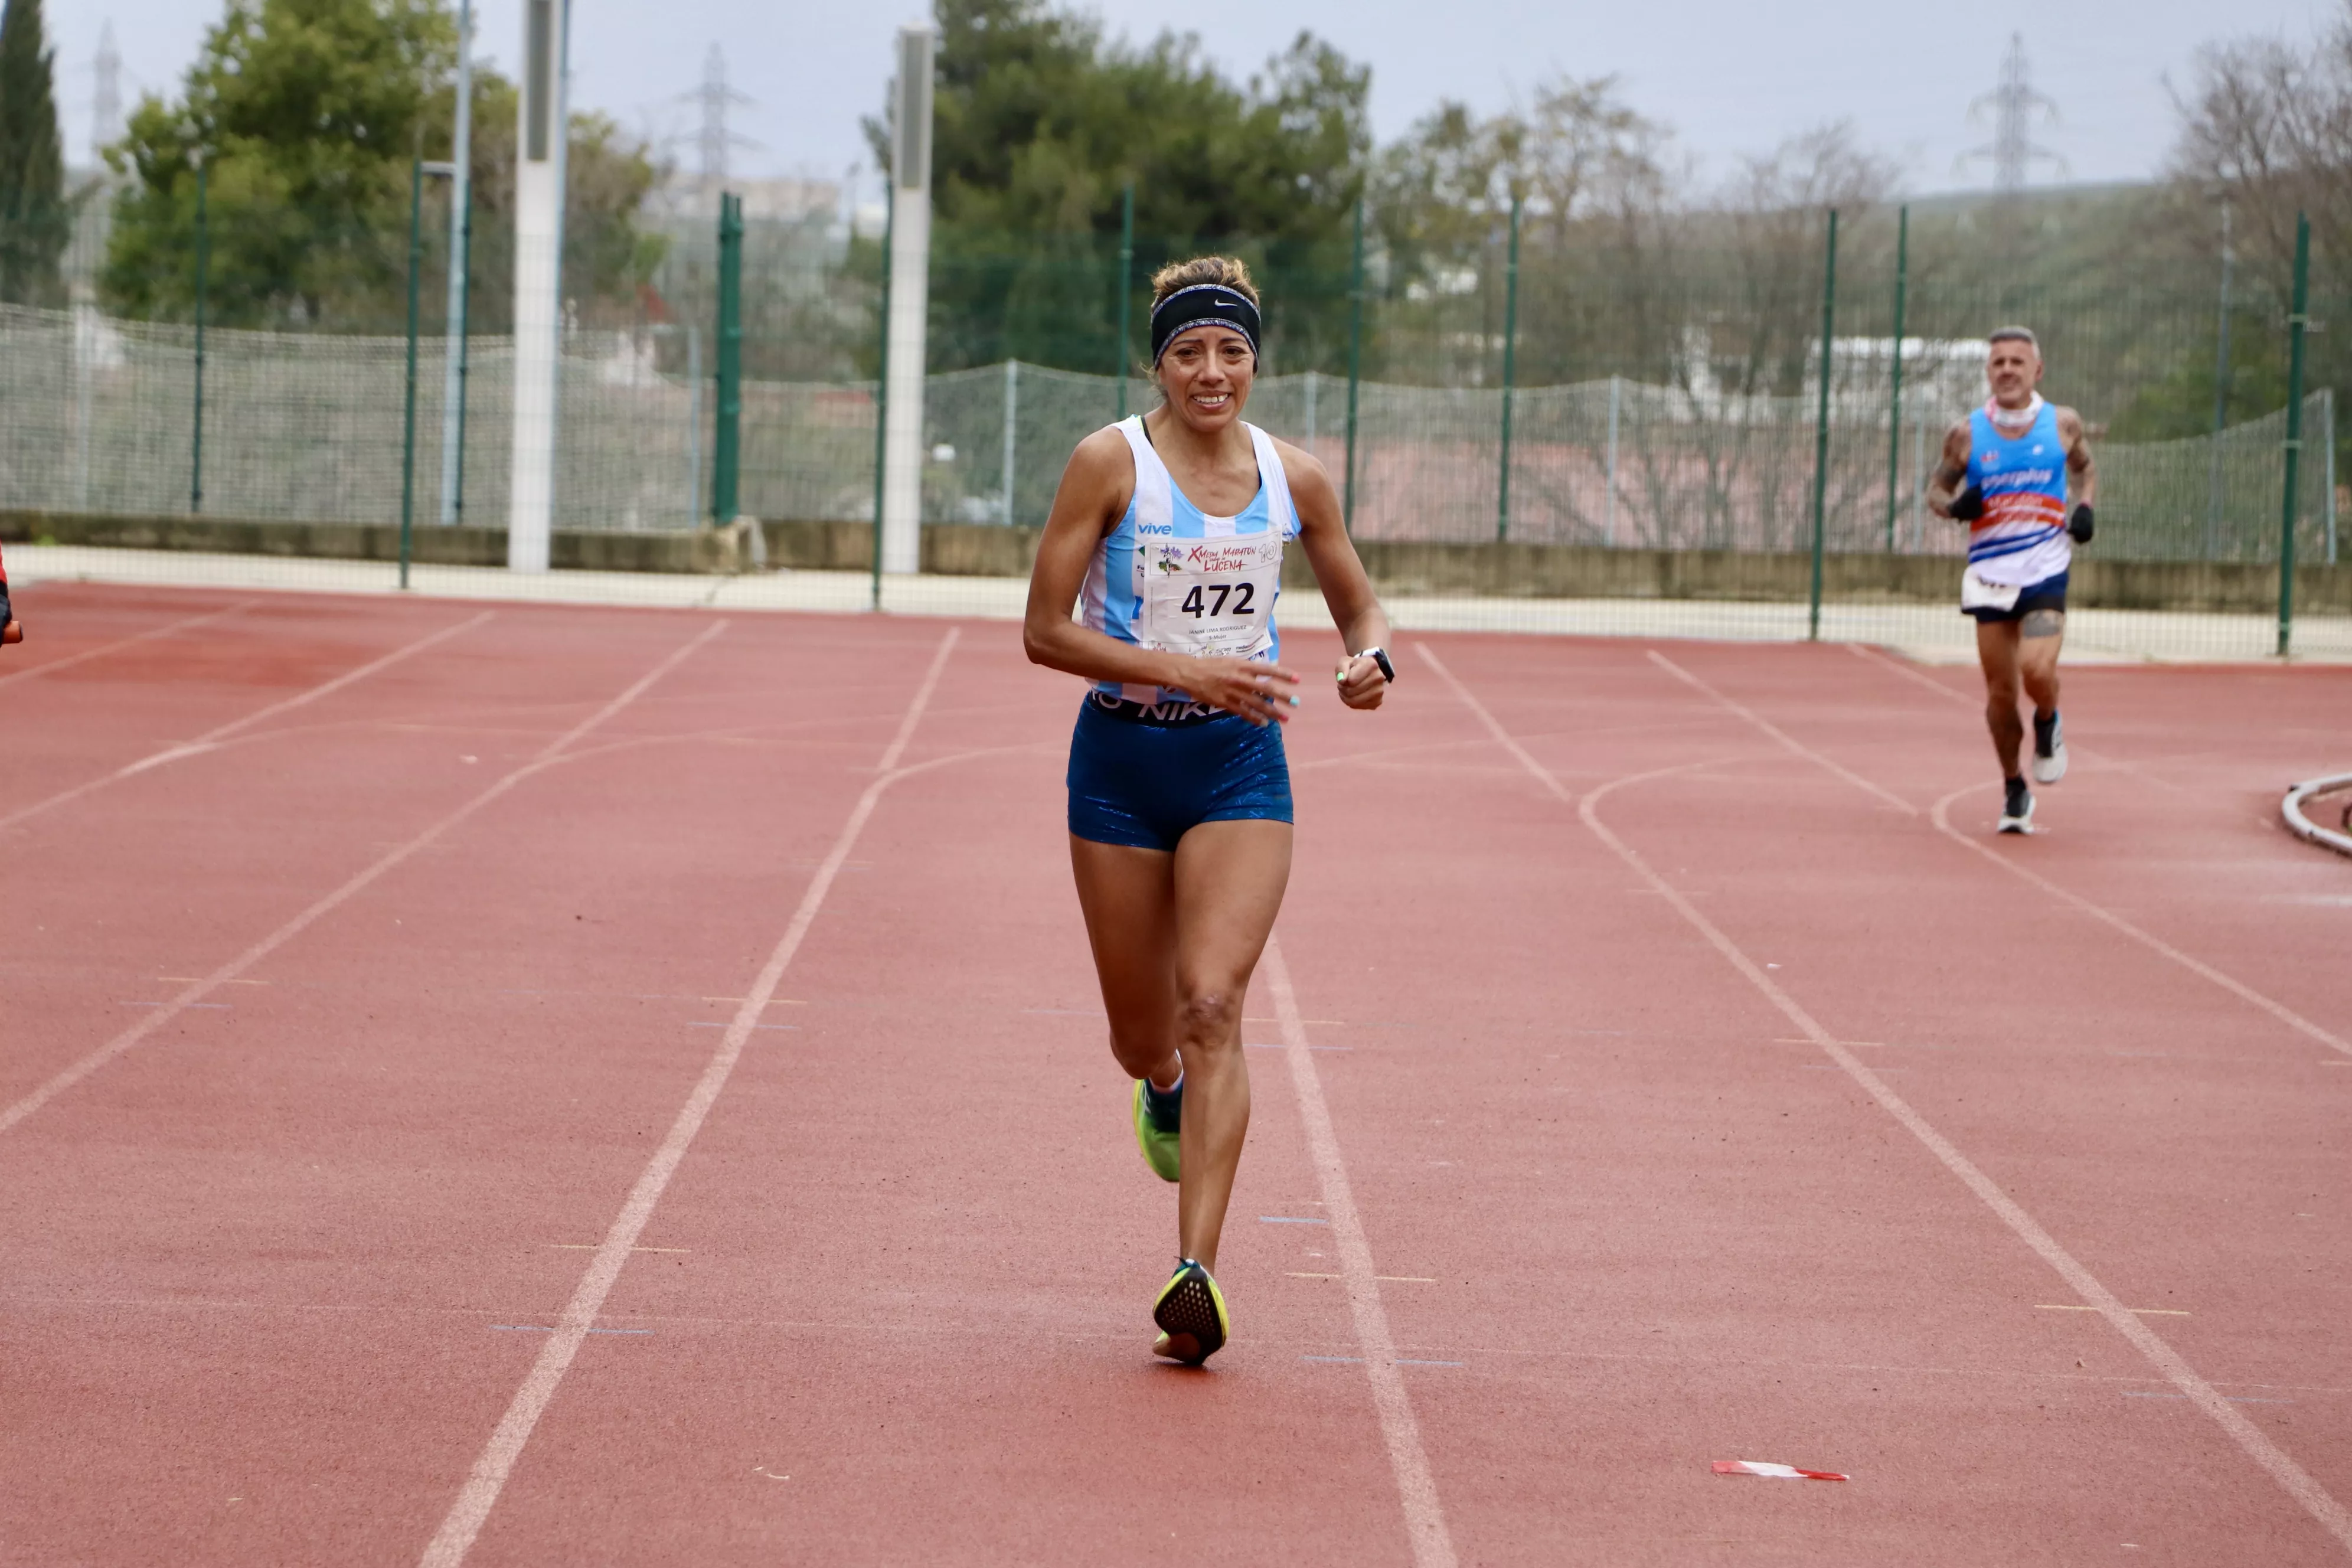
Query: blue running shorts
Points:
[1143, 781]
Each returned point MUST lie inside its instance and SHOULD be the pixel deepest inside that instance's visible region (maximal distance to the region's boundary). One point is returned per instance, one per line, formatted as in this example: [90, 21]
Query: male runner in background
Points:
[9, 630]
[2004, 474]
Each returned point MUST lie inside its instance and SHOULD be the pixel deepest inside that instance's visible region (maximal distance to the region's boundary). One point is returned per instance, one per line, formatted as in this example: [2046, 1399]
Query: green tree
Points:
[1039, 122]
[607, 253]
[35, 220]
[307, 113]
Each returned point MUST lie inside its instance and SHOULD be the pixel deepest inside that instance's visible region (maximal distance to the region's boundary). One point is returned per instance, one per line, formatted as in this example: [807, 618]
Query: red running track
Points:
[626, 1087]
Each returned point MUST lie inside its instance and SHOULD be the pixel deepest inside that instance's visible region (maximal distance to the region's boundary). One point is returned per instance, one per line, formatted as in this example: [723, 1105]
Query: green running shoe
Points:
[1190, 1313]
[1158, 1143]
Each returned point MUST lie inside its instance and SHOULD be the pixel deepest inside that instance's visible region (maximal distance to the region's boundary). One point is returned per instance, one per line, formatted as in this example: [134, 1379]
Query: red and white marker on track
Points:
[1772, 1471]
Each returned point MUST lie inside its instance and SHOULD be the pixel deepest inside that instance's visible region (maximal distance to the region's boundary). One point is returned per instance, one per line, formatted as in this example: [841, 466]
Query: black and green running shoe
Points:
[1156, 1130]
[1190, 1313]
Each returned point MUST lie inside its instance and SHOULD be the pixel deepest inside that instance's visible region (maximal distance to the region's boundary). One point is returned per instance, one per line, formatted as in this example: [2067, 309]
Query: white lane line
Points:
[100, 651]
[1873, 656]
[547, 756]
[1790, 742]
[1941, 816]
[480, 1495]
[213, 737]
[2297, 1482]
[2237, 988]
[1424, 1519]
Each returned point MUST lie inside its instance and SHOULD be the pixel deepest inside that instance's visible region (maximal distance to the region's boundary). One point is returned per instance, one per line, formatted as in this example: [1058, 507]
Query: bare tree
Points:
[2268, 126]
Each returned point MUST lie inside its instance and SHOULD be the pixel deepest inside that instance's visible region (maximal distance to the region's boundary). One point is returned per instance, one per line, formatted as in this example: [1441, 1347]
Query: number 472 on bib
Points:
[1213, 605]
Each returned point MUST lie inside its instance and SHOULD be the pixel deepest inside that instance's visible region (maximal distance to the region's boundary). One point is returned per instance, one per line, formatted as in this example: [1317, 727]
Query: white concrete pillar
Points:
[538, 272]
[910, 263]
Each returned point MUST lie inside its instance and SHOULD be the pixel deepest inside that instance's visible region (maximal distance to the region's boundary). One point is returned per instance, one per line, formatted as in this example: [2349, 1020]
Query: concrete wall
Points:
[1399, 567]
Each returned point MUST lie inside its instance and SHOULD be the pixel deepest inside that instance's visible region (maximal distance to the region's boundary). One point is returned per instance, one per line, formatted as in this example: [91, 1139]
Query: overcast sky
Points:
[1731, 76]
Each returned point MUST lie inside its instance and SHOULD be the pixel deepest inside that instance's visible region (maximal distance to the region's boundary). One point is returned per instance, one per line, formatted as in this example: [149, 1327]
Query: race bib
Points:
[1976, 593]
[1212, 598]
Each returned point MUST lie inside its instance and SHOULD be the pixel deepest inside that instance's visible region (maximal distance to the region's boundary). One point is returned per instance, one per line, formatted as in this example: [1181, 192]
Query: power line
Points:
[715, 97]
[2014, 105]
[106, 103]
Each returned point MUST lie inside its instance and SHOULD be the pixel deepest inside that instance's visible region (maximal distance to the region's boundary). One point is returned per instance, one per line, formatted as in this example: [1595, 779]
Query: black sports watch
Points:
[1379, 655]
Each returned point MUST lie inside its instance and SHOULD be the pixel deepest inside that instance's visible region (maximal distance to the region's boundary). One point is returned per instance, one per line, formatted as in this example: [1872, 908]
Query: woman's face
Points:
[1206, 373]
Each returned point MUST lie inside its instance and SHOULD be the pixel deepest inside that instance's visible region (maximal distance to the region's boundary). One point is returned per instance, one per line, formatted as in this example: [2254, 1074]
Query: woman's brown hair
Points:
[1227, 270]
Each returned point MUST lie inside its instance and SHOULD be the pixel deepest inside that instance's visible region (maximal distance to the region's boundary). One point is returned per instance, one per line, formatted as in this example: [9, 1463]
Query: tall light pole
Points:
[910, 265]
[538, 272]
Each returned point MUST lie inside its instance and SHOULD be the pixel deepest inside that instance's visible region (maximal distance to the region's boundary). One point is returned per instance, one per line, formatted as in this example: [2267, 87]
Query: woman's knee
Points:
[1140, 1052]
[1208, 1016]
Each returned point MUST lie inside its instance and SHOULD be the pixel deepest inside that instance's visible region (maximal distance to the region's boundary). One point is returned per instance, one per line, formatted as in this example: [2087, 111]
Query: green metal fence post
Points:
[1894, 416]
[1355, 364]
[1125, 287]
[466, 354]
[203, 283]
[726, 433]
[882, 395]
[1510, 363]
[2220, 397]
[1821, 427]
[2297, 324]
[408, 397]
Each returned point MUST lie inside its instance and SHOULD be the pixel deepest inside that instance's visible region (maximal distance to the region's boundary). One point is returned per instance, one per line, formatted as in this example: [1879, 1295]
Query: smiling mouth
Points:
[1215, 400]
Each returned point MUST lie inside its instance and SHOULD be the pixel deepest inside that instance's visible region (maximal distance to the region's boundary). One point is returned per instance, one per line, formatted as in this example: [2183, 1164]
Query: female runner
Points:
[1171, 525]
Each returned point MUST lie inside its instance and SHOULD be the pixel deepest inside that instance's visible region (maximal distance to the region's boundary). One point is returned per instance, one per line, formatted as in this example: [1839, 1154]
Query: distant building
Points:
[786, 200]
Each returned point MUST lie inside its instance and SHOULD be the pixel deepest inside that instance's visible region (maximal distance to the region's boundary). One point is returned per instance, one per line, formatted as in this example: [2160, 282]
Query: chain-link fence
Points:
[1628, 431]
[102, 415]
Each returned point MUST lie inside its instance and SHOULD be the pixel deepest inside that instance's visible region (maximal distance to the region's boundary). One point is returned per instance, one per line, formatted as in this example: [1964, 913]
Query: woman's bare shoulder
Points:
[1304, 470]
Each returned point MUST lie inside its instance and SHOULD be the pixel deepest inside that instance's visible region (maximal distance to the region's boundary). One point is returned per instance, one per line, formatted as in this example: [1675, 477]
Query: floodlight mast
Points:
[909, 264]
[538, 320]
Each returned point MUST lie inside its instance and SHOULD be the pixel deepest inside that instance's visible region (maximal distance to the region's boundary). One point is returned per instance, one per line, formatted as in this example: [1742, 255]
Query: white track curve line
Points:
[487, 1478]
[2244, 992]
[198, 744]
[1782, 736]
[2297, 1482]
[547, 756]
[100, 651]
[1940, 815]
[1425, 1519]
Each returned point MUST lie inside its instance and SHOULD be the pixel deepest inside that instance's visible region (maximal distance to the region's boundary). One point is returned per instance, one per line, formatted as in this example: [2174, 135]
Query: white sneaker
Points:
[2049, 750]
[2017, 810]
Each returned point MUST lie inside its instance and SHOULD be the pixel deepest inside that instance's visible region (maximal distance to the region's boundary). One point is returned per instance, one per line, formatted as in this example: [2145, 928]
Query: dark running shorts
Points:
[1145, 783]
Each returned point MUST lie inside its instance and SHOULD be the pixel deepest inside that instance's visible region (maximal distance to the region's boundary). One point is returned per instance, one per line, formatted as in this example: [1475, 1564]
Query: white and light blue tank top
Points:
[1172, 577]
[2022, 537]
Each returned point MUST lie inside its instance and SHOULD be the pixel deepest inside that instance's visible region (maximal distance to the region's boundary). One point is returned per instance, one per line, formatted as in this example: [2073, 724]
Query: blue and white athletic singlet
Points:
[2022, 537]
[1171, 577]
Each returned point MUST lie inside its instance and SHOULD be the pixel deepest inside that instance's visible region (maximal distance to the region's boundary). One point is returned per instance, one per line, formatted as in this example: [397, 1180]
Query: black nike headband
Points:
[1202, 305]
